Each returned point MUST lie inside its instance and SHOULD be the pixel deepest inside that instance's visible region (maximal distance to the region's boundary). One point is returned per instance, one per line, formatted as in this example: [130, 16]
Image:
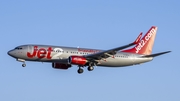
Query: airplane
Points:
[63, 57]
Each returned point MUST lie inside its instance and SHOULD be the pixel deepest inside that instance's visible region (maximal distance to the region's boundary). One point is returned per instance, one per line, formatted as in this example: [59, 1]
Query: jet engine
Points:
[60, 66]
[77, 60]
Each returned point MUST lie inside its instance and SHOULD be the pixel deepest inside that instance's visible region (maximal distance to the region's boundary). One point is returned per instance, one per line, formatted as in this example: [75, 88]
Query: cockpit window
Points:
[18, 48]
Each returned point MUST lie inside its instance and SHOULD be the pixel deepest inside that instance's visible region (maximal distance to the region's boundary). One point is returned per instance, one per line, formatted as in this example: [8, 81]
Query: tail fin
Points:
[146, 44]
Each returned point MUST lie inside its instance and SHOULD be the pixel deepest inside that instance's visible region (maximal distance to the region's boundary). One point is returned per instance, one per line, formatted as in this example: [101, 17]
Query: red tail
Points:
[146, 44]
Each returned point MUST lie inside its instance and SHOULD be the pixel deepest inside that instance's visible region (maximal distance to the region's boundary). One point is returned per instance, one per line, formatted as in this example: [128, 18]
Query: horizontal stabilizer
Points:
[157, 54]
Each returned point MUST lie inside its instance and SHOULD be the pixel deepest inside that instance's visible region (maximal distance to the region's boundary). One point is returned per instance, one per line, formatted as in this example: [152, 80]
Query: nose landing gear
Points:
[23, 65]
[22, 60]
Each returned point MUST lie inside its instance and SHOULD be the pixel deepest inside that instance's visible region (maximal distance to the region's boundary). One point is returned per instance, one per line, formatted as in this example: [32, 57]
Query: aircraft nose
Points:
[10, 53]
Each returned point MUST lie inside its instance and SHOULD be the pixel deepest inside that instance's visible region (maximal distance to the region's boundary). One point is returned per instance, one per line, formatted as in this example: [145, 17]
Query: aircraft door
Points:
[30, 48]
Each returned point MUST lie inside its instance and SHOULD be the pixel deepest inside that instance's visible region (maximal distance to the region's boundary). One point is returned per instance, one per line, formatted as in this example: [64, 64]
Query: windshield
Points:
[18, 48]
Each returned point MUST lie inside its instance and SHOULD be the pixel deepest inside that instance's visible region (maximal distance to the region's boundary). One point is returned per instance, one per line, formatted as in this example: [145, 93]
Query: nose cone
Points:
[10, 53]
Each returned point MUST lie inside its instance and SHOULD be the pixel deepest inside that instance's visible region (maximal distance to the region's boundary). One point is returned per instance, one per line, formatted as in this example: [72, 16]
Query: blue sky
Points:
[101, 24]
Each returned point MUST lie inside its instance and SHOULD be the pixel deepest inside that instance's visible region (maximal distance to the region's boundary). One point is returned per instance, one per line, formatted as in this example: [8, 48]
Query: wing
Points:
[111, 52]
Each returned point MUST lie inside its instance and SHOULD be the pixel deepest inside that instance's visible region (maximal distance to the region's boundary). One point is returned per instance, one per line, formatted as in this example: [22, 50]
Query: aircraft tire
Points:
[80, 71]
[90, 68]
[23, 65]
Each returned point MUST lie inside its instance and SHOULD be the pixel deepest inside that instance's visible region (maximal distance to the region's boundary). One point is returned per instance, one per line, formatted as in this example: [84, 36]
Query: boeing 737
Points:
[64, 57]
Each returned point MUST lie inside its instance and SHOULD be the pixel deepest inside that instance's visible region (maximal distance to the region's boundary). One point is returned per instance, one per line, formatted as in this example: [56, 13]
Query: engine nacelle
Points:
[77, 60]
[60, 66]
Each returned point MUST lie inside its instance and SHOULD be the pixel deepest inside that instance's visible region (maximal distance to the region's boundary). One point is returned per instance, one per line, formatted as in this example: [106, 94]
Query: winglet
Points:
[138, 38]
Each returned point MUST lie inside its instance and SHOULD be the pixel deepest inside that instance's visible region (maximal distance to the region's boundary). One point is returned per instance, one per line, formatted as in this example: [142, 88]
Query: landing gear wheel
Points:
[90, 68]
[80, 70]
[23, 65]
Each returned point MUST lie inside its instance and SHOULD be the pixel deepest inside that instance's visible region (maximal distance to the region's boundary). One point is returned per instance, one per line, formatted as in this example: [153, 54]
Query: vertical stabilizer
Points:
[146, 44]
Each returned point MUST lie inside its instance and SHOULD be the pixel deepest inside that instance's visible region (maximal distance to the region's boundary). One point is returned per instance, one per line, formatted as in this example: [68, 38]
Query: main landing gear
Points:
[80, 70]
[90, 68]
